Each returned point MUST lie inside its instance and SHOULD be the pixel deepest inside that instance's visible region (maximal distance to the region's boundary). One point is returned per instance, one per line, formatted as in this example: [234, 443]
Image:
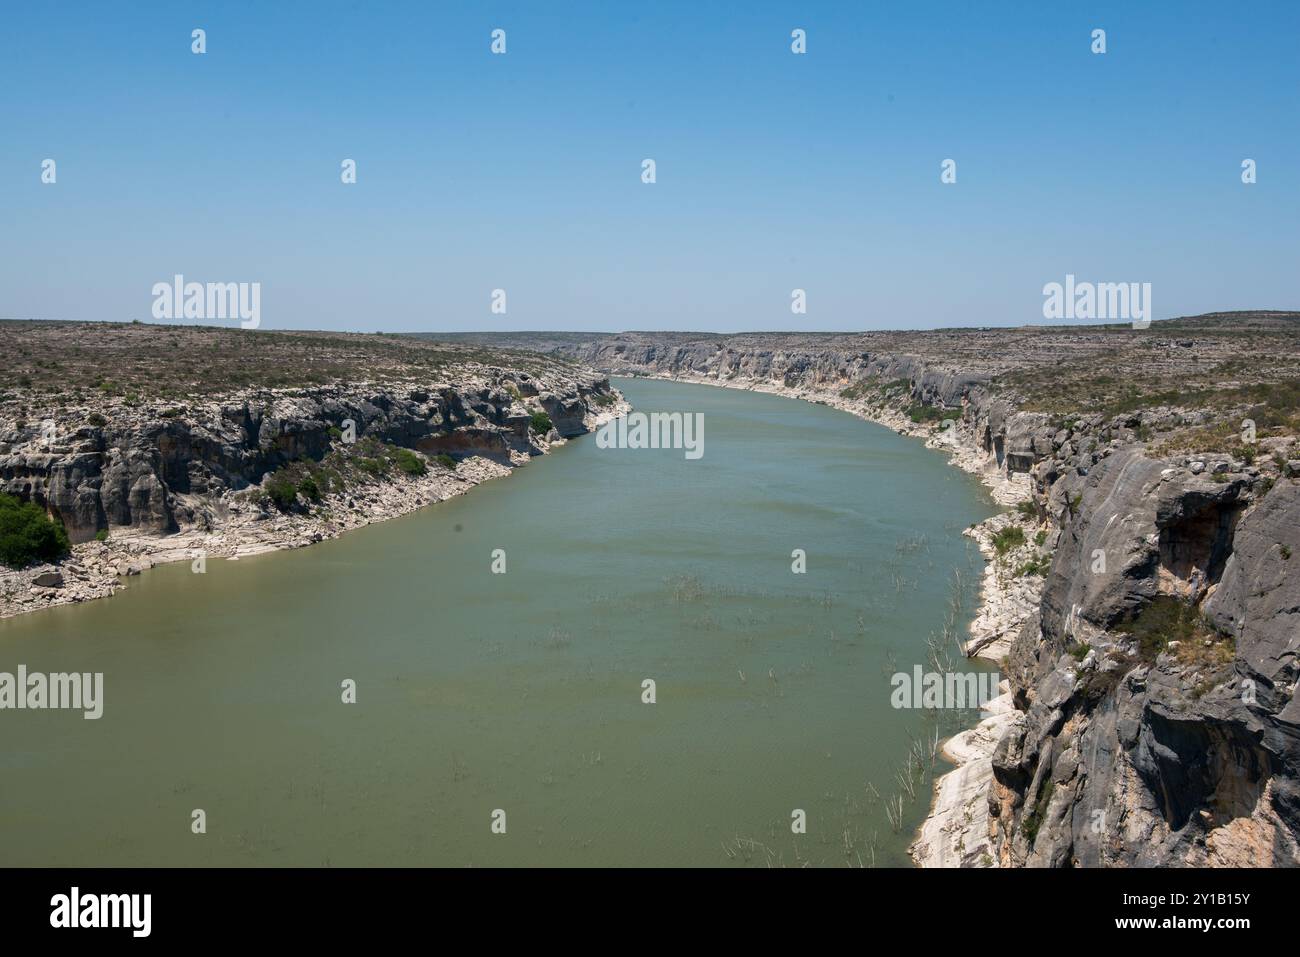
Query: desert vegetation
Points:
[28, 535]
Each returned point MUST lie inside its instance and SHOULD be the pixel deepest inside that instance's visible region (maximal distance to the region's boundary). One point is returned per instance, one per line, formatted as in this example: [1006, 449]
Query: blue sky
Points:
[522, 172]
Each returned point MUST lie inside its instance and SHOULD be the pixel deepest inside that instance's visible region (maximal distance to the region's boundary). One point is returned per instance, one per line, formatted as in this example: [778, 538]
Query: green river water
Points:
[523, 691]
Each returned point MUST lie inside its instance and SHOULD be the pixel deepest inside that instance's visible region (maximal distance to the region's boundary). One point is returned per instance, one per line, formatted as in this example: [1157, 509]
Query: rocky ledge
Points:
[1141, 596]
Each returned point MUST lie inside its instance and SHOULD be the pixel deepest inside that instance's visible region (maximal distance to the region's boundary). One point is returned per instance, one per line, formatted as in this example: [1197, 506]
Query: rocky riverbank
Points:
[1138, 595]
[138, 480]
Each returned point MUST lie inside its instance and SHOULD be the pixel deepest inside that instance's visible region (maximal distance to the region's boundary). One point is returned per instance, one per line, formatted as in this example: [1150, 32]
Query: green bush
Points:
[101, 535]
[445, 460]
[409, 462]
[919, 412]
[97, 420]
[329, 480]
[309, 489]
[1013, 536]
[1039, 565]
[283, 492]
[541, 423]
[27, 534]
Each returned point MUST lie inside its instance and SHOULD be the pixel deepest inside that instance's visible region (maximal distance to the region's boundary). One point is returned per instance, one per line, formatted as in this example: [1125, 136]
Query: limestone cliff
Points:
[154, 467]
[1154, 681]
[157, 443]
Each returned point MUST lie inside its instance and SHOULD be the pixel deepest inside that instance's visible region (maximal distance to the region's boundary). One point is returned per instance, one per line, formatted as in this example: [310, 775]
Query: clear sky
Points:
[775, 171]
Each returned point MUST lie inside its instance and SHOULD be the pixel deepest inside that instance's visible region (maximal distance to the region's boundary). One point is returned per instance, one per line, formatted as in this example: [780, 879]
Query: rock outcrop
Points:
[1162, 755]
[139, 482]
[148, 468]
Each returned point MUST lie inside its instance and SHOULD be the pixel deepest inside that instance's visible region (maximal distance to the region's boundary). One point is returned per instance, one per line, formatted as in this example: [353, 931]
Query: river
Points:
[522, 692]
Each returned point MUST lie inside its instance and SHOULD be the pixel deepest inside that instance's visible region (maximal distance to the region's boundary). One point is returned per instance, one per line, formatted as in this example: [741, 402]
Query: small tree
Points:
[282, 492]
[27, 534]
[541, 423]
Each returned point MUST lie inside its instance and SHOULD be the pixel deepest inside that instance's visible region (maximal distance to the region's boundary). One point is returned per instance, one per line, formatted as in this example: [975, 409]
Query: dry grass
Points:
[78, 361]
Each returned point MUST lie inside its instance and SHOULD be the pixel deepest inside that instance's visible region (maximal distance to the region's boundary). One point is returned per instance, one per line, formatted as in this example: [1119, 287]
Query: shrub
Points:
[1165, 619]
[409, 462]
[309, 489]
[1027, 509]
[101, 535]
[1013, 536]
[540, 423]
[445, 460]
[1039, 565]
[330, 480]
[97, 420]
[27, 534]
[283, 492]
[920, 412]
